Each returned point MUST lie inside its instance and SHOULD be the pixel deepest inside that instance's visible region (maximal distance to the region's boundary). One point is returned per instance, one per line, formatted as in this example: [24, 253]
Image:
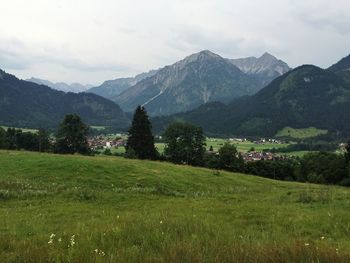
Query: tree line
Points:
[71, 137]
[185, 144]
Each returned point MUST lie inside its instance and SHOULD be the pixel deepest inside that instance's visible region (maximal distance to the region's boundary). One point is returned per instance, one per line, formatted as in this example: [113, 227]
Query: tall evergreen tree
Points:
[71, 136]
[140, 142]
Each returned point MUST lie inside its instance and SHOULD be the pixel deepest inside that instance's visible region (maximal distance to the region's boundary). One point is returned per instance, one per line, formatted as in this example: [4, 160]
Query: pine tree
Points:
[140, 142]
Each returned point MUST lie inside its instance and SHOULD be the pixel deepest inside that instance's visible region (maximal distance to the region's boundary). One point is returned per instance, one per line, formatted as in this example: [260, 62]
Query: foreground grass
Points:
[107, 209]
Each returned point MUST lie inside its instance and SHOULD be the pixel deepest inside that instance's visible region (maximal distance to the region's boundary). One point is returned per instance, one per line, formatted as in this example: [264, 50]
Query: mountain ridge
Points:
[27, 104]
[303, 97]
[198, 78]
[62, 86]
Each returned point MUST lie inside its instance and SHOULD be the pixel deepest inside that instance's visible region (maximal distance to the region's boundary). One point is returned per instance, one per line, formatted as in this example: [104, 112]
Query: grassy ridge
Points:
[107, 209]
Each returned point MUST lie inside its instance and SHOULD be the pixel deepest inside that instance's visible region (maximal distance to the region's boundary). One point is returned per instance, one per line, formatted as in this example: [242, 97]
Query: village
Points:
[118, 141]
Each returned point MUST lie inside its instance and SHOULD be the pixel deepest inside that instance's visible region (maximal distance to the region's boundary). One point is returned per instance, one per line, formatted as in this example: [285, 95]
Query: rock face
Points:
[112, 88]
[27, 104]
[265, 68]
[74, 87]
[197, 79]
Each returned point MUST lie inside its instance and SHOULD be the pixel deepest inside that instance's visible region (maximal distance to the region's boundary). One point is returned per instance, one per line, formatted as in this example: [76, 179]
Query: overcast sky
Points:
[89, 41]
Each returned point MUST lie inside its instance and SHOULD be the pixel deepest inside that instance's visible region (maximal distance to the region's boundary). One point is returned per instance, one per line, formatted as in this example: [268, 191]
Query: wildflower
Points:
[161, 222]
[118, 217]
[60, 240]
[322, 238]
[52, 236]
[307, 244]
[96, 250]
[337, 250]
[72, 241]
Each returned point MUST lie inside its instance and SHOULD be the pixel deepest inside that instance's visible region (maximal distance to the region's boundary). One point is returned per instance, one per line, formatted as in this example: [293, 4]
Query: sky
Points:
[89, 41]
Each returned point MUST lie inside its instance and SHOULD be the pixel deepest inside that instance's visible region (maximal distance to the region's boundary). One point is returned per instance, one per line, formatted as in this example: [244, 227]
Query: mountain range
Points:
[111, 88]
[306, 96]
[193, 81]
[30, 105]
[74, 87]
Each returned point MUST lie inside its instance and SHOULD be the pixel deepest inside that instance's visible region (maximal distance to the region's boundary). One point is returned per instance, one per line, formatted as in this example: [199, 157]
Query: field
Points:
[242, 146]
[23, 129]
[218, 143]
[107, 209]
[300, 133]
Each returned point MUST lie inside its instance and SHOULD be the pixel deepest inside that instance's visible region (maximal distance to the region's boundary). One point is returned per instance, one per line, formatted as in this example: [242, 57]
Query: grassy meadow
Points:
[56, 208]
[217, 143]
[305, 133]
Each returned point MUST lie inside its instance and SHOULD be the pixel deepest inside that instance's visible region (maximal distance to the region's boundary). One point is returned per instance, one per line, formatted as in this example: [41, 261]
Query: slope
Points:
[26, 104]
[90, 209]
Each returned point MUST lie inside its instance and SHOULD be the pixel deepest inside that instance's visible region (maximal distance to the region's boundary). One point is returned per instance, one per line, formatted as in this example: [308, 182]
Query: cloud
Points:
[92, 40]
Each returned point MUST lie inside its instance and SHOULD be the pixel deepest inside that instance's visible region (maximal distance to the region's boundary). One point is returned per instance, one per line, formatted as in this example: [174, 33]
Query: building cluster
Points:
[101, 142]
[258, 156]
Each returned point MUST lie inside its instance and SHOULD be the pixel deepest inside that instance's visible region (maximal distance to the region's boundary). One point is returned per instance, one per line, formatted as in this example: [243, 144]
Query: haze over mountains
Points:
[197, 79]
[74, 87]
[306, 96]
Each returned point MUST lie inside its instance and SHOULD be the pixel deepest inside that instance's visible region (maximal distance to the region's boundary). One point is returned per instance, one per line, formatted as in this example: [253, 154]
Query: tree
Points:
[43, 140]
[347, 153]
[3, 139]
[140, 143]
[184, 143]
[322, 167]
[229, 158]
[71, 136]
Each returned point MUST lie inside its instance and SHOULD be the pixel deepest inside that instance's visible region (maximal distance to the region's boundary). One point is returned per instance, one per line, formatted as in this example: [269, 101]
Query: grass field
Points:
[218, 143]
[107, 209]
[300, 133]
[23, 129]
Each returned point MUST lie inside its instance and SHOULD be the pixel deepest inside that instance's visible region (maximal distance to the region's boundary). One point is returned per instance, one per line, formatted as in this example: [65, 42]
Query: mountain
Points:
[265, 68]
[304, 97]
[74, 87]
[195, 80]
[342, 69]
[112, 88]
[27, 104]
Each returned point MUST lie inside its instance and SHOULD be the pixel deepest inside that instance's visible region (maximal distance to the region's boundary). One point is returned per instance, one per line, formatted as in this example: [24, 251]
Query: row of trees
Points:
[15, 139]
[185, 143]
[71, 137]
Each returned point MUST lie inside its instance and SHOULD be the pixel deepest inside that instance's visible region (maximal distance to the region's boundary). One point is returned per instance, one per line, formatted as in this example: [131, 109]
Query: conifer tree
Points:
[140, 142]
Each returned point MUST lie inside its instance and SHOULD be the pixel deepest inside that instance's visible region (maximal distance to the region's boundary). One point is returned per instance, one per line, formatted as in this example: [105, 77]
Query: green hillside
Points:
[108, 209]
[305, 133]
